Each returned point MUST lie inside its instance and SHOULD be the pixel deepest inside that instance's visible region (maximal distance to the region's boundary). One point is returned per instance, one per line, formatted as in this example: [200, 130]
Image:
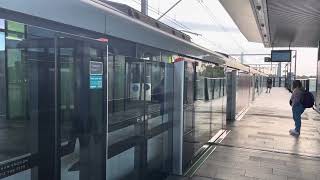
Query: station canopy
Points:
[277, 23]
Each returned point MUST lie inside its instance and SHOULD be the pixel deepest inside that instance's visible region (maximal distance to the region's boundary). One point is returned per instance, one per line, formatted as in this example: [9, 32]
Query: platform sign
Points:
[96, 75]
[95, 82]
[281, 55]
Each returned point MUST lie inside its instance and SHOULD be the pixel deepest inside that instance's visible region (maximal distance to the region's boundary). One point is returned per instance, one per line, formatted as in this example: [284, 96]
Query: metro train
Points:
[94, 90]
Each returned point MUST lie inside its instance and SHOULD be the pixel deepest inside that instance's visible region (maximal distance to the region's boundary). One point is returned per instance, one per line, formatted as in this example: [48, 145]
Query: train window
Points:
[130, 12]
[122, 47]
[148, 53]
[2, 24]
[157, 24]
[15, 26]
[16, 31]
[136, 15]
[2, 41]
[167, 57]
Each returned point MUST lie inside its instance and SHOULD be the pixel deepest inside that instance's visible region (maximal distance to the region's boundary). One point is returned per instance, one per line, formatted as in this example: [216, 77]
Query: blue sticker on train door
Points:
[95, 81]
[96, 75]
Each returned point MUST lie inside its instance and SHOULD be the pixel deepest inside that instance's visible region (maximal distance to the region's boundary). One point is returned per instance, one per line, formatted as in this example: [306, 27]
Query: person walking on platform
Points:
[257, 85]
[297, 106]
[269, 85]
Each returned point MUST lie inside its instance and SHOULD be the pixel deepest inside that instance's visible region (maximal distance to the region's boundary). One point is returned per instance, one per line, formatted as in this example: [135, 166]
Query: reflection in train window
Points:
[120, 47]
[29, 85]
[148, 53]
[2, 24]
[15, 30]
[2, 41]
[203, 114]
[167, 57]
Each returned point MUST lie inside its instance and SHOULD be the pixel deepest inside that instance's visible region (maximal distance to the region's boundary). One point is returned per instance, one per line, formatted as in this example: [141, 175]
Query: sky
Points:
[217, 30]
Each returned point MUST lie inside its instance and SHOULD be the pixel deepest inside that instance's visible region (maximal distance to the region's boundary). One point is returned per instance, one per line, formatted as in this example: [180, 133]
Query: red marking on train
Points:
[103, 40]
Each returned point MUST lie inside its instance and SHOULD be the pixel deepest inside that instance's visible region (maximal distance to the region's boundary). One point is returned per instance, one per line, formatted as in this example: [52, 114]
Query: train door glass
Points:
[188, 112]
[81, 102]
[27, 98]
[158, 118]
[126, 118]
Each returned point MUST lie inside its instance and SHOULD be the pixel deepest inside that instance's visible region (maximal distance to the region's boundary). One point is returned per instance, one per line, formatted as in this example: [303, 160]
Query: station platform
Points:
[259, 145]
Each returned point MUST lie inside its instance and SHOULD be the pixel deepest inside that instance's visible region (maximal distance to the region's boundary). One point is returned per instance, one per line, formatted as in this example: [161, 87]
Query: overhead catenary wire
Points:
[213, 19]
[182, 26]
[166, 17]
[175, 4]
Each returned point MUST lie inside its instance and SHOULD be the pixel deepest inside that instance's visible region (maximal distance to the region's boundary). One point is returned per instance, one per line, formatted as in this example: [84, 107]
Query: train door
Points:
[146, 80]
[126, 118]
[52, 120]
[139, 129]
[158, 118]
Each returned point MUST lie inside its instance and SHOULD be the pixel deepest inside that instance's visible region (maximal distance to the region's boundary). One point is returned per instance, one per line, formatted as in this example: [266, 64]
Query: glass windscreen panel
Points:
[27, 112]
[159, 117]
[82, 122]
[140, 114]
[126, 117]
[204, 106]
[243, 91]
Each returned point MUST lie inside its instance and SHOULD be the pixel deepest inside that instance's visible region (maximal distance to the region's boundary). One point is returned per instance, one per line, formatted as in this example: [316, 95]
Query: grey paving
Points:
[260, 147]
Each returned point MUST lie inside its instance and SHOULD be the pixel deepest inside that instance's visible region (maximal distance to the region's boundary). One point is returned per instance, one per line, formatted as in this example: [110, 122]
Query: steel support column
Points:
[231, 95]
[144, 7]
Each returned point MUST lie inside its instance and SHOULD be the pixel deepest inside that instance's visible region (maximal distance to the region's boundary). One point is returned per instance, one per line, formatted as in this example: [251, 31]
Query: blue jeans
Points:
[297, 111]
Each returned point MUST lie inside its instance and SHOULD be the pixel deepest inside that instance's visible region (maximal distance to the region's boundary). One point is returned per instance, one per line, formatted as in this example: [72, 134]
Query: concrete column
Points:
[231, 95]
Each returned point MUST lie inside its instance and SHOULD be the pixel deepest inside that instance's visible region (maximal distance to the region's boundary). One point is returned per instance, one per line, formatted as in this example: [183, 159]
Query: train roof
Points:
[117, 20]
